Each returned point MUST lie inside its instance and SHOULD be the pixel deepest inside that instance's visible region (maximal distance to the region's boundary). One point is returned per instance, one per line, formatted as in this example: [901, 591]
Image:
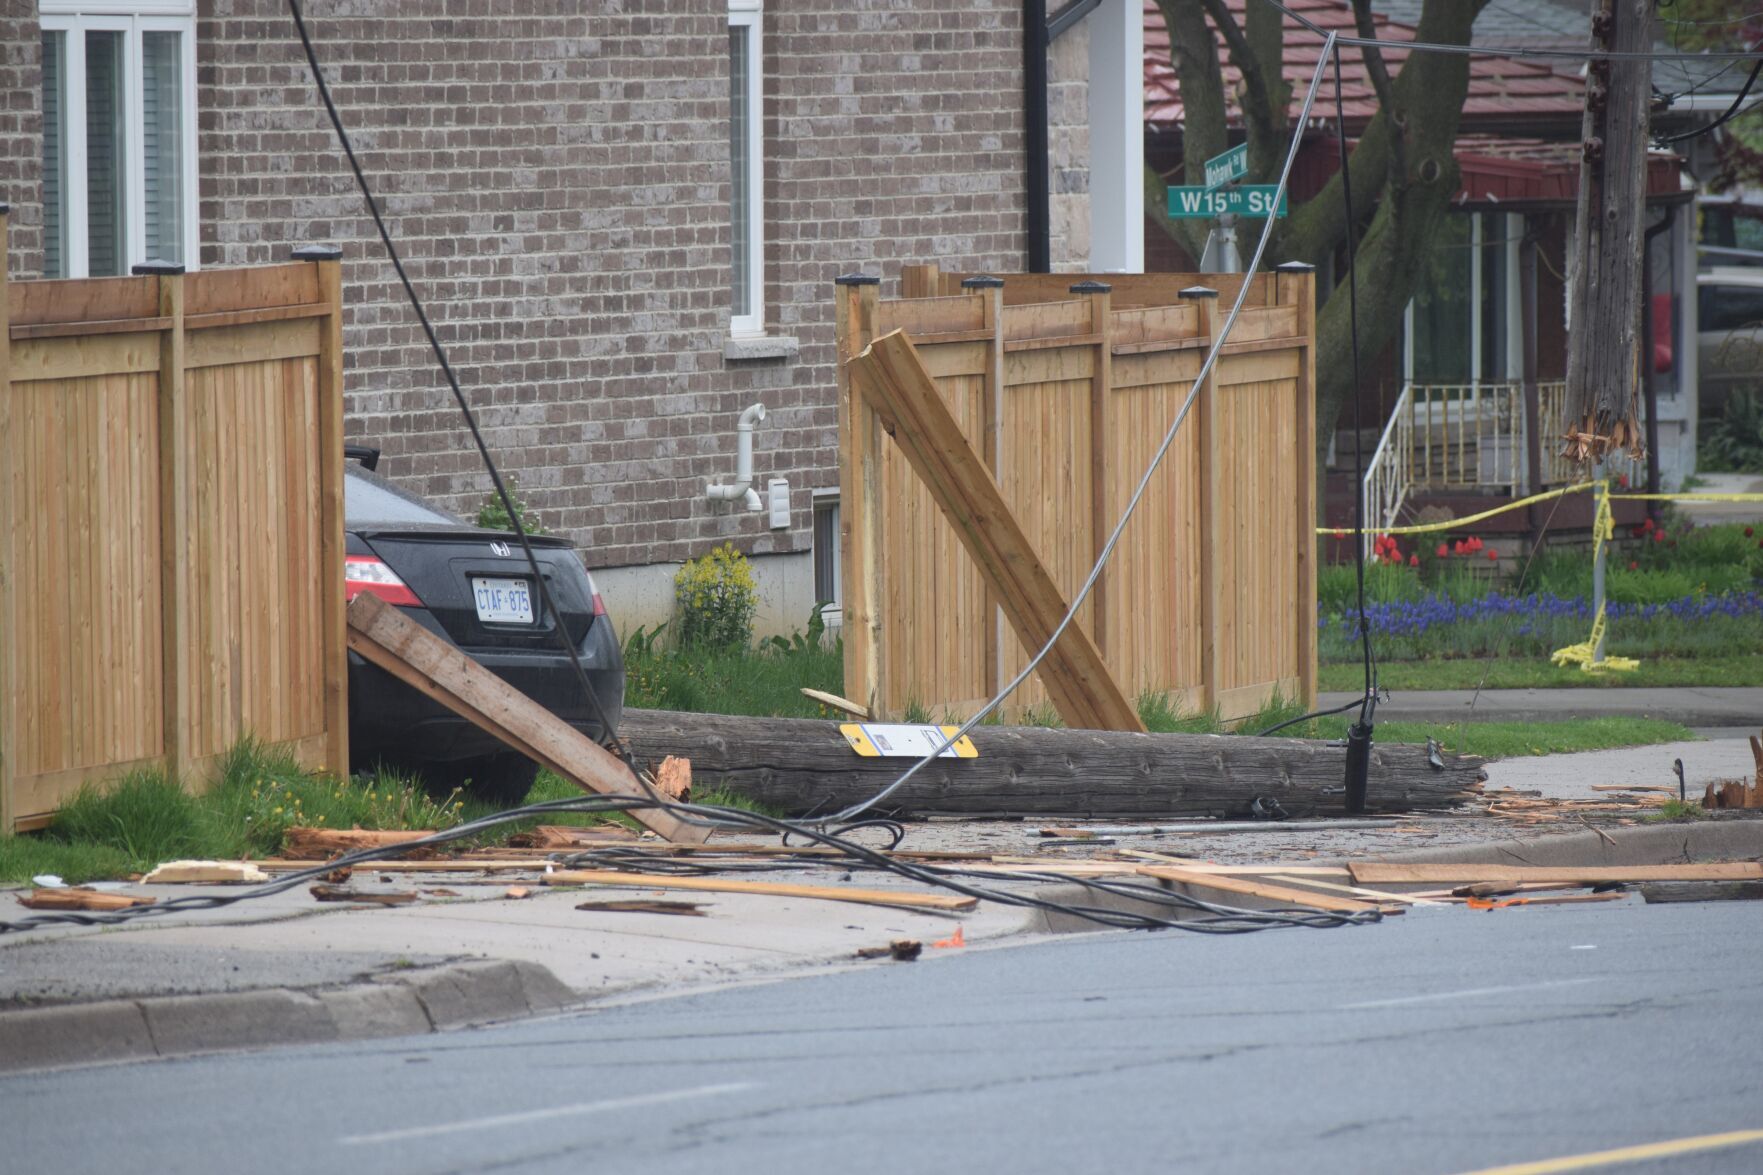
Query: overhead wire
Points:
[1144, 482]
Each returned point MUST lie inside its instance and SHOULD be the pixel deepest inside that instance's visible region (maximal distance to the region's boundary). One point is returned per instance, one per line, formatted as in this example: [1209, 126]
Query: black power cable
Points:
[1731, 111]
[1359, 734]
[477, 437]
[1213, 919]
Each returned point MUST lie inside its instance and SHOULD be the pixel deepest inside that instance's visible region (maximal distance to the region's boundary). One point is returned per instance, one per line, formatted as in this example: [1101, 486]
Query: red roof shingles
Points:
[1502, 92]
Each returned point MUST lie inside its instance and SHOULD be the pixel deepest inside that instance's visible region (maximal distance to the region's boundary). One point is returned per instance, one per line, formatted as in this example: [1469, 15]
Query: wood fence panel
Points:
[170, 529]
[1209, 598]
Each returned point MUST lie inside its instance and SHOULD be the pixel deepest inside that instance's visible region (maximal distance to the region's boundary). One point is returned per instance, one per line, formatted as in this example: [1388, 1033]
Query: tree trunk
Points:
[805, 767]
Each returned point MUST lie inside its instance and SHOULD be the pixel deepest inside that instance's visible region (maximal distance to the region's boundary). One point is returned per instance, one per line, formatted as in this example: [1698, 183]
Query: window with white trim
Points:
[746, 169]
[119, 136]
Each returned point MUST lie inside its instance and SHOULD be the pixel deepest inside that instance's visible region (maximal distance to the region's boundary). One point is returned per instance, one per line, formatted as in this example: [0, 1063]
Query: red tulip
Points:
[1340, 534]
[1414, 560]
[1747, 532]
[1622, 480]
[1459, 547]
[1647, 525]
[1658, 536]
[1637, 531]
[1443, 552]
[1633, 566]
[1493, 556]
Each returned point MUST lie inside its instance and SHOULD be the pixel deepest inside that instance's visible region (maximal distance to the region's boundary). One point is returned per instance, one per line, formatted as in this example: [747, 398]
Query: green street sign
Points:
[1232, 165]
[1188, 202]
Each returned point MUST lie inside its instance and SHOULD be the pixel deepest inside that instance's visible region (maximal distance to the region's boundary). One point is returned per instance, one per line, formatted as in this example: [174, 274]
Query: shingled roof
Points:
[1505, 96]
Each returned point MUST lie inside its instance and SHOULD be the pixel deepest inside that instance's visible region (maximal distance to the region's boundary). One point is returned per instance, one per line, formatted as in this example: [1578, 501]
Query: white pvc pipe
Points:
[742, 486]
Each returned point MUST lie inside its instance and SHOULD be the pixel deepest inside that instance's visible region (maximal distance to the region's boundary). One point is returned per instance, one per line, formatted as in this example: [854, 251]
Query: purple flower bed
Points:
[1416, 617]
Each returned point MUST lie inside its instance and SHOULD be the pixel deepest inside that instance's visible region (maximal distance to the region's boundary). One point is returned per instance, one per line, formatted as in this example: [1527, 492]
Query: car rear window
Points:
[370, 501]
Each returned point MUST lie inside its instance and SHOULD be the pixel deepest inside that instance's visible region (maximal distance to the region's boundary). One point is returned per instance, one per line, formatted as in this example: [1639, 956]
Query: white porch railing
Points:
[1460, 437]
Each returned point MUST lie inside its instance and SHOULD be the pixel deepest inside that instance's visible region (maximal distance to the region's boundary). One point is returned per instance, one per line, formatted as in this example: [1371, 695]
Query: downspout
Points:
[1649, 393]
[1034, 100]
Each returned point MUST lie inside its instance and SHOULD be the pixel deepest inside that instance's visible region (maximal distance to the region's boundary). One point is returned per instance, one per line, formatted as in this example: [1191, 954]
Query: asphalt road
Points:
[1441, 1041]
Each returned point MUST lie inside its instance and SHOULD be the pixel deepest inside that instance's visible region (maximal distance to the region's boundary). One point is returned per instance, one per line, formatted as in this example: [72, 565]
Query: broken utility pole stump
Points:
[804, 766]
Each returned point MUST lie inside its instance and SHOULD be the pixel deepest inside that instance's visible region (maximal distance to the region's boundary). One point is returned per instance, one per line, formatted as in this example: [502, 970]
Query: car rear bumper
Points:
[389, 719]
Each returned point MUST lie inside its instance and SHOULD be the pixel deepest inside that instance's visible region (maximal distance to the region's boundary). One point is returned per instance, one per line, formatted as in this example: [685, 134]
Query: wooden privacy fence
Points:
[171, 529]
[1064, 387]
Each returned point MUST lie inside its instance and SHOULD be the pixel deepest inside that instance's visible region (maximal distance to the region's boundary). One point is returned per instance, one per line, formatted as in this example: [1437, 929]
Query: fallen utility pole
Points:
[803, 766]
[422, 660]
[1603, 337]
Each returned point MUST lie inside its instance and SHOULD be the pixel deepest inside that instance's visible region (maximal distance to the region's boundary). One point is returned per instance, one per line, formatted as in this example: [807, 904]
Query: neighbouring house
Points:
[1447, 395]
[625, 218]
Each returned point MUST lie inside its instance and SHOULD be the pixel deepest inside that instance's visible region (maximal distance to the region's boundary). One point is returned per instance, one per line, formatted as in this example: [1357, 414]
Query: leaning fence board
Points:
[156, 605]
[907, 398]
[1066, 403]
[416, 656]
[1390, 873]
[831, 893]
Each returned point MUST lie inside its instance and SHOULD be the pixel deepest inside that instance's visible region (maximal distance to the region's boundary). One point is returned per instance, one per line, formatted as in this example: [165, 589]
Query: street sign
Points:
[1232, 165]
[1254, 200]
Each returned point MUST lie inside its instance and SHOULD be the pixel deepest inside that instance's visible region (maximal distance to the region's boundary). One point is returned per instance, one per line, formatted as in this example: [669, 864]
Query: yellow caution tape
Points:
[1692, 497]
[1603, 530]
[1456, 522]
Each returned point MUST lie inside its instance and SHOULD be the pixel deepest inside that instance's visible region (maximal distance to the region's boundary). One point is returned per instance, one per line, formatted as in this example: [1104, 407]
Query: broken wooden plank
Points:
[341, 893]
[835, 702]
[321, 843]
[77, 897]
[905, 396]
[1283, 895]
[397, 644]
[1354, 891]
[180, 872]
[1389, 872]
[801, 765]
[833, 893]
[645, 906]
[1702, 891]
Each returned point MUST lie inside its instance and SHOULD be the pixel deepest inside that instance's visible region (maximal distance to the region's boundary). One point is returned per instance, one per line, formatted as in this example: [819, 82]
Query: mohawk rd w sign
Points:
[1256, 200]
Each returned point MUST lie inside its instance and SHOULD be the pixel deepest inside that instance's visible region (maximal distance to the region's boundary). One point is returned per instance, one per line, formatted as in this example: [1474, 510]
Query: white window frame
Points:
[747, 14]
[73, 21]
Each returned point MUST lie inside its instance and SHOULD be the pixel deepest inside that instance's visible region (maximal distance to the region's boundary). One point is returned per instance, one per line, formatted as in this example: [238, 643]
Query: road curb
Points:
[1720, 839]
[397, 1003]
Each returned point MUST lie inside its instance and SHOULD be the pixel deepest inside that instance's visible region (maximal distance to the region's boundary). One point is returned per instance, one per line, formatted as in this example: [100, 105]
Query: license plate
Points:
[502, 601]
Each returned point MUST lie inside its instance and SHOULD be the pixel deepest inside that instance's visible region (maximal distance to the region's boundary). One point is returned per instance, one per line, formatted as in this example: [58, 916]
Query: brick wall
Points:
[21, 138]
[558, 185]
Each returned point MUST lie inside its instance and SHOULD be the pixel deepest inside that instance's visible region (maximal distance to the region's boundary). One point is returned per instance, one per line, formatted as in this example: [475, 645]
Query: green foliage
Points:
[1676, 810]
[764, 681]
[1337, 586]
[715, 598]
[492, 515]
[1540, 673]
[145, 817]
[1733, 441]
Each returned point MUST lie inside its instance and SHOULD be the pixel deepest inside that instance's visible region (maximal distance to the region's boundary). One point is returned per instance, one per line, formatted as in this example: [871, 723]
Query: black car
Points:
[474, 587]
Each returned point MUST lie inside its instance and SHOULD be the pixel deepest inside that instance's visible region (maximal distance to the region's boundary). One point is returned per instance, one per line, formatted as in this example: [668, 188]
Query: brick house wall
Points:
[558, 184]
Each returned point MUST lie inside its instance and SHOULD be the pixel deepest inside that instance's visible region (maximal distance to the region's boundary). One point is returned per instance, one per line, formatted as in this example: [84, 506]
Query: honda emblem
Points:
[500, 549]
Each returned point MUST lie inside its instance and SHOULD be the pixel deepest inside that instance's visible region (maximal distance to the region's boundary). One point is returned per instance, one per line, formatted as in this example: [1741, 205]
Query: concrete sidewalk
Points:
[1698, 706]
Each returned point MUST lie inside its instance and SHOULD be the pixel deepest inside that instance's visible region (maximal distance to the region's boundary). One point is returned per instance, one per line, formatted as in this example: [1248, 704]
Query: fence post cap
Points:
[317, 253]
[1092, 287]
[156, 269]
[5, 208]
[1294, 267]
[856, 279]
[1197, 292]
[982, 281]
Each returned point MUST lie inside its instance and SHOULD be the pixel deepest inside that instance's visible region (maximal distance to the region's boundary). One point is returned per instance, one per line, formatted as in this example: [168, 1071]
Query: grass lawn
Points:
[1540, 673]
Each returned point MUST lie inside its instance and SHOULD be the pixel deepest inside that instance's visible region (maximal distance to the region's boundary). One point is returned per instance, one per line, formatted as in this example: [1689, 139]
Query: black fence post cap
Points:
[317, 253]
[156, 269]
[1294, 267]
[856, 279]
[5, 208]
[1197, 292]
[982, 281]
[1092, 287]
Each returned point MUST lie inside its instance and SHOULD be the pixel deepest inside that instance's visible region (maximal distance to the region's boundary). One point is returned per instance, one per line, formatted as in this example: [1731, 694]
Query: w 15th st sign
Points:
[1256, 200]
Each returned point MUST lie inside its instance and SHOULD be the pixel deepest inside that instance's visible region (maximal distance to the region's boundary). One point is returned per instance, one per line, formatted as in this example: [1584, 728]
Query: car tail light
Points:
[364, 573]
[599, 604]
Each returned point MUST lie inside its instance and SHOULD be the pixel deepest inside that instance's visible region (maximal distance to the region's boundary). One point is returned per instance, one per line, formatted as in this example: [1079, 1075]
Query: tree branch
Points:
[1386, 98]
[1258, 119]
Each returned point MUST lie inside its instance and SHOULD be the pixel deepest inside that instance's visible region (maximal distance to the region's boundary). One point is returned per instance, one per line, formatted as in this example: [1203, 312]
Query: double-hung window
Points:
[119, 135]
[746, 179]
